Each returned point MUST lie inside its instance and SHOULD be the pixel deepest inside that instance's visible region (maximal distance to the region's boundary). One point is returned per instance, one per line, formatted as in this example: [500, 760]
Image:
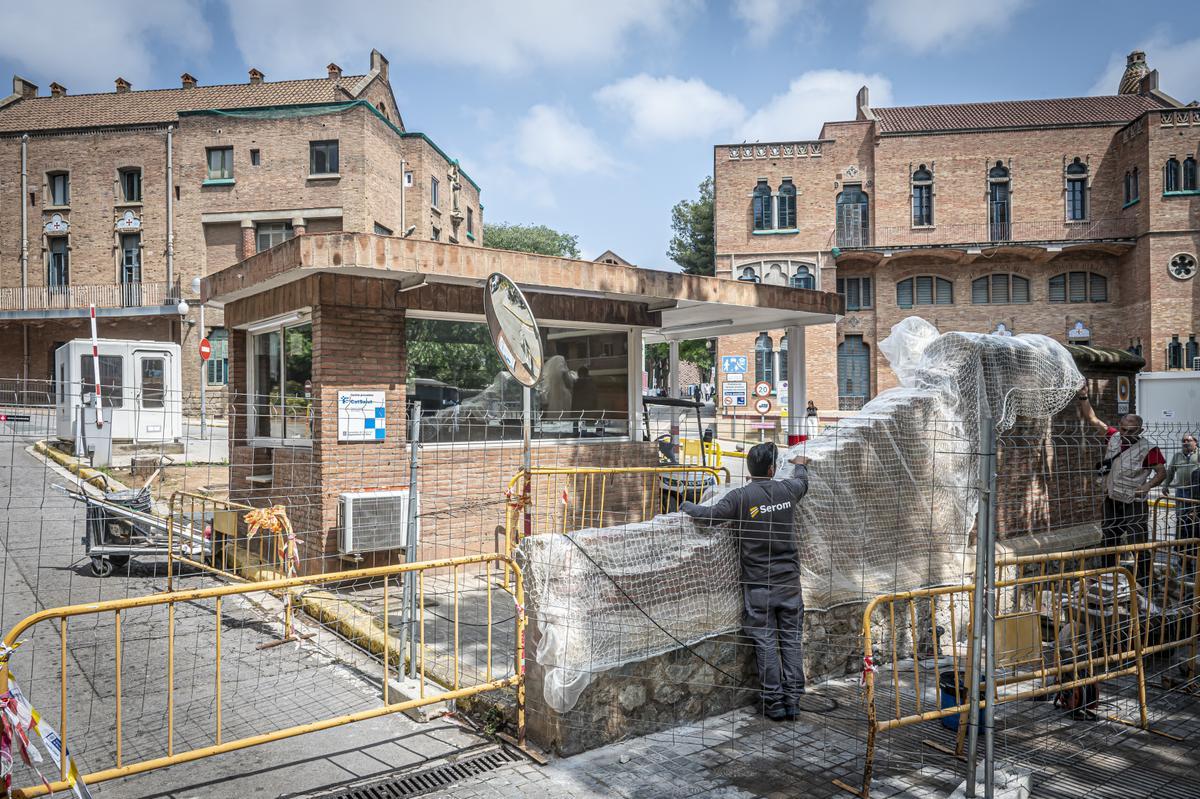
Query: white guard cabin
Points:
[140, 388]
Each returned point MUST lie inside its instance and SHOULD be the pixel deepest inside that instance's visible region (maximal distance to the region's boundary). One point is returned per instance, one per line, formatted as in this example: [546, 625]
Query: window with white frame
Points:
[268, 234]
[453, 366]
[323, 157]
[280, 365]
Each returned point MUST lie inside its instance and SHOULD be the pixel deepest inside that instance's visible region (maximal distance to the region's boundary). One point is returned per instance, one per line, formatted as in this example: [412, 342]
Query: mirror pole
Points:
[526, 429]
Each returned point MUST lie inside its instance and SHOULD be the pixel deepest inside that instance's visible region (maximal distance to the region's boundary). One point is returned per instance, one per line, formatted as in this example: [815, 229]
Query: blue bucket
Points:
[949, 698]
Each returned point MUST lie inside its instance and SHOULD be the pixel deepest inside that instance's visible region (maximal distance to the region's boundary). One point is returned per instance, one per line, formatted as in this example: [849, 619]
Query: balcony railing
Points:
[108, 295]
[985, 233]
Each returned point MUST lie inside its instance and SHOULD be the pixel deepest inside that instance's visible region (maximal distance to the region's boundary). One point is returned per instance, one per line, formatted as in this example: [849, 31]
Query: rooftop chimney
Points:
[58, 90]
[24, 88]
[256, 77]
[188, 80]
[379, 64]
[334, 70]
[862, 103]
[123, 85]
[1135, 70]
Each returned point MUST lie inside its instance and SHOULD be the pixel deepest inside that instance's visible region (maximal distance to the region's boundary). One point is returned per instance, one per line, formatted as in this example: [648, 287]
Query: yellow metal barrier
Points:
[560, 499]
[390, 656]
[1160, 509]
[1170, 616]
[1101, 628]
[218, 522]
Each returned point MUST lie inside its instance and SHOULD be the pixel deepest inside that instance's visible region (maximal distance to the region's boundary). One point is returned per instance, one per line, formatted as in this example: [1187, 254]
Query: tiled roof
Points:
[1063, 112]
[163, 105]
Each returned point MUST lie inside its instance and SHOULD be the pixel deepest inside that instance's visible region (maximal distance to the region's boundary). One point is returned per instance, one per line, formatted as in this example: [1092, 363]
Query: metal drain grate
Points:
[431, 779]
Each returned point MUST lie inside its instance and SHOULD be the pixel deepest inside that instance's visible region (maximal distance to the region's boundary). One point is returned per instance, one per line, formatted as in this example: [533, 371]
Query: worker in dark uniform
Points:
[763, 513]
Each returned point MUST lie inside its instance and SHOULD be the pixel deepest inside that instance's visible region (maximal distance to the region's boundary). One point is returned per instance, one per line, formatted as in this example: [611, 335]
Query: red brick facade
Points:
[217, 223]
[1127, 245]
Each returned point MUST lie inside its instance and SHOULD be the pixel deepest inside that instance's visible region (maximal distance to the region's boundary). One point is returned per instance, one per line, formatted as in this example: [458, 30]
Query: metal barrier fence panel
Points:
[1085, 634]
[172, 698]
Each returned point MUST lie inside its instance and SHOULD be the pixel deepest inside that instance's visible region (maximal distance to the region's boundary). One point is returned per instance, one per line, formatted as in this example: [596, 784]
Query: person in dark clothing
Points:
[763, 513]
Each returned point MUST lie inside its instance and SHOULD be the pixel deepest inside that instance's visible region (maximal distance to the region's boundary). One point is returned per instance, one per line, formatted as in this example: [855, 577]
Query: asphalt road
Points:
[44, 566]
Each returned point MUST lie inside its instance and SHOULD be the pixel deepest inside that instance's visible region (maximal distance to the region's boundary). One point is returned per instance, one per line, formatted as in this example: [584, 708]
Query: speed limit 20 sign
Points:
[762, 389]
[205, 349]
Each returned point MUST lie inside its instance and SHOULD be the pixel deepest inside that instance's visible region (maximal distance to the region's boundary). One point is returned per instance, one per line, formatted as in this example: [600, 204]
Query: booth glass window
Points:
[112, 379]
[281, 367]
[154, 387]
[466, 394]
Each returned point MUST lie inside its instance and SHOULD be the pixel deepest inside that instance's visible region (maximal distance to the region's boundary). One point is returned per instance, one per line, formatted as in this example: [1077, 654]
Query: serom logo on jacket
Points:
[757, 509]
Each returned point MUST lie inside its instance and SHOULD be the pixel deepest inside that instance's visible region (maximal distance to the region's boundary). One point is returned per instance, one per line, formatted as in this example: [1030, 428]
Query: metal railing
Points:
[984, 233]
[561, 499]
[391, 657]
[234, 554]
[1101, 628]
[107, 295]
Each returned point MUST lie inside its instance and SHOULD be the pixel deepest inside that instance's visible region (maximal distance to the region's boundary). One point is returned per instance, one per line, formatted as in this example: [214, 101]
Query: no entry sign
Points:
[205, 349]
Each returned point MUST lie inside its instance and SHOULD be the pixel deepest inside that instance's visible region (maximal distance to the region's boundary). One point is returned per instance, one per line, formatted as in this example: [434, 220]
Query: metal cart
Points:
[122, 525]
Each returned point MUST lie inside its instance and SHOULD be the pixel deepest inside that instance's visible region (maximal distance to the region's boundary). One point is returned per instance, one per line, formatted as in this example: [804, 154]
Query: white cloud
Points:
[550, 140]
[670, 108]
[764, 18]
[85, 45]
[818, 96]
[1176, 63]
[281, 38]
[926, 25]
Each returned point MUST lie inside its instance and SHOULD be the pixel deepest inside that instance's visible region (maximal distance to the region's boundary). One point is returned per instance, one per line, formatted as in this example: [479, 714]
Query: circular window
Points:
[1182, 266]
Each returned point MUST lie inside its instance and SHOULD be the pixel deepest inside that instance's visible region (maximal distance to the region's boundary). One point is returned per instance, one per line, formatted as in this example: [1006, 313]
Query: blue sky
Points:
[596, 117]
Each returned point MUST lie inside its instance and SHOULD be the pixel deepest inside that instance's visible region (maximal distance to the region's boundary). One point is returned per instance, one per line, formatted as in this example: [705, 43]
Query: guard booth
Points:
[140, 385]
[334, 337]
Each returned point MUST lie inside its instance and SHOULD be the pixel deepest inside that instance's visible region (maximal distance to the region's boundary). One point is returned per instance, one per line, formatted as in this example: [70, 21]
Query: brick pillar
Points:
[299, 228]
[249, 244]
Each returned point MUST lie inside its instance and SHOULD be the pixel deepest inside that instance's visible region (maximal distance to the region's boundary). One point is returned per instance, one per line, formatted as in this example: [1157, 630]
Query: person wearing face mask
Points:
[1181, 473]
[1131, 469]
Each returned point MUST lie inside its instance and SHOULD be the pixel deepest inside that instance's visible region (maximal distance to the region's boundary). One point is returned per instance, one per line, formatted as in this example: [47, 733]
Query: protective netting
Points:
[891, 503]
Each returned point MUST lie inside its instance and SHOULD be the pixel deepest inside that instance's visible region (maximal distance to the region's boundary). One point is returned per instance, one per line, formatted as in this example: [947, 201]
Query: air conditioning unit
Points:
[1196, 364]
[372, 521]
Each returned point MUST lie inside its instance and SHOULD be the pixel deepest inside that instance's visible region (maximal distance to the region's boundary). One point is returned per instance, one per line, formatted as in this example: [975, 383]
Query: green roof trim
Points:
[314, 109]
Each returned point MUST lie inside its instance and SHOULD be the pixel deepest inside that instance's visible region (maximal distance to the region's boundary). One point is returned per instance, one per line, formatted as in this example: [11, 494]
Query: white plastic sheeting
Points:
[892, 500]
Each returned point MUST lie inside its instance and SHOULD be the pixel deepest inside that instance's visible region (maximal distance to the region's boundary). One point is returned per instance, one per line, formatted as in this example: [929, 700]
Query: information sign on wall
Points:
[733, 395]
[361, 416]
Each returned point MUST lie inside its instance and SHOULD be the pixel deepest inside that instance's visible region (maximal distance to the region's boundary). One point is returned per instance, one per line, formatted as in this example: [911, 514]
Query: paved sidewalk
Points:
[740, 754]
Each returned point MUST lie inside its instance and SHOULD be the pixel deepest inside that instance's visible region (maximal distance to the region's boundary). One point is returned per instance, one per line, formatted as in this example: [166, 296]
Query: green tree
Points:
[694, 246]
[537, 239]
[658, 358]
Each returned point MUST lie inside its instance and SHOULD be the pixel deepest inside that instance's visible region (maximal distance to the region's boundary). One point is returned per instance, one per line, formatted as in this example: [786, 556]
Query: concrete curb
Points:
[75, 467]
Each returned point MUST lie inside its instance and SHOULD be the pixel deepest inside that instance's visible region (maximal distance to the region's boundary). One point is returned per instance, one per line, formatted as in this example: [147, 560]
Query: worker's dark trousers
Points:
[1125, 523]
[773, 617]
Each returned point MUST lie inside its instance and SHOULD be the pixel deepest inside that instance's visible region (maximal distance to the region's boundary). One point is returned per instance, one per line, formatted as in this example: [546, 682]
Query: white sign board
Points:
[733, 395]
[362, 416]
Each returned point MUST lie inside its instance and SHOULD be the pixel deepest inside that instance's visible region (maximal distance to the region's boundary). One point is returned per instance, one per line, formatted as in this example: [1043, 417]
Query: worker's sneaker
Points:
[776, 712]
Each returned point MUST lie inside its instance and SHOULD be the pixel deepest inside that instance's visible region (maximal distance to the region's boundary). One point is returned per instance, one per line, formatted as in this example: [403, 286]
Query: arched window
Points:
[749, 275]
[999, 289]
[762, 206]
[853, 217]
[764, 359]
[1189, 174]
[853, 373]
[1077, 172]
[922, 197]
[999, 209]
[787, 205]
[1078, 287]
[1175, 353]
[783, 359]
[803, 278]
[1171, 175]
[924, 290]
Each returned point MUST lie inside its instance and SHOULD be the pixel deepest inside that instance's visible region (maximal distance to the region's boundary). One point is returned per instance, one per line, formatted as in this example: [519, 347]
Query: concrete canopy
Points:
[675, 306]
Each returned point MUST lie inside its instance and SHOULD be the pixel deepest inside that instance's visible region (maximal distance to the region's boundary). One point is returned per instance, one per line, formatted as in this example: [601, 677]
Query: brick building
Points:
[123, 199]
[1078, 218]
